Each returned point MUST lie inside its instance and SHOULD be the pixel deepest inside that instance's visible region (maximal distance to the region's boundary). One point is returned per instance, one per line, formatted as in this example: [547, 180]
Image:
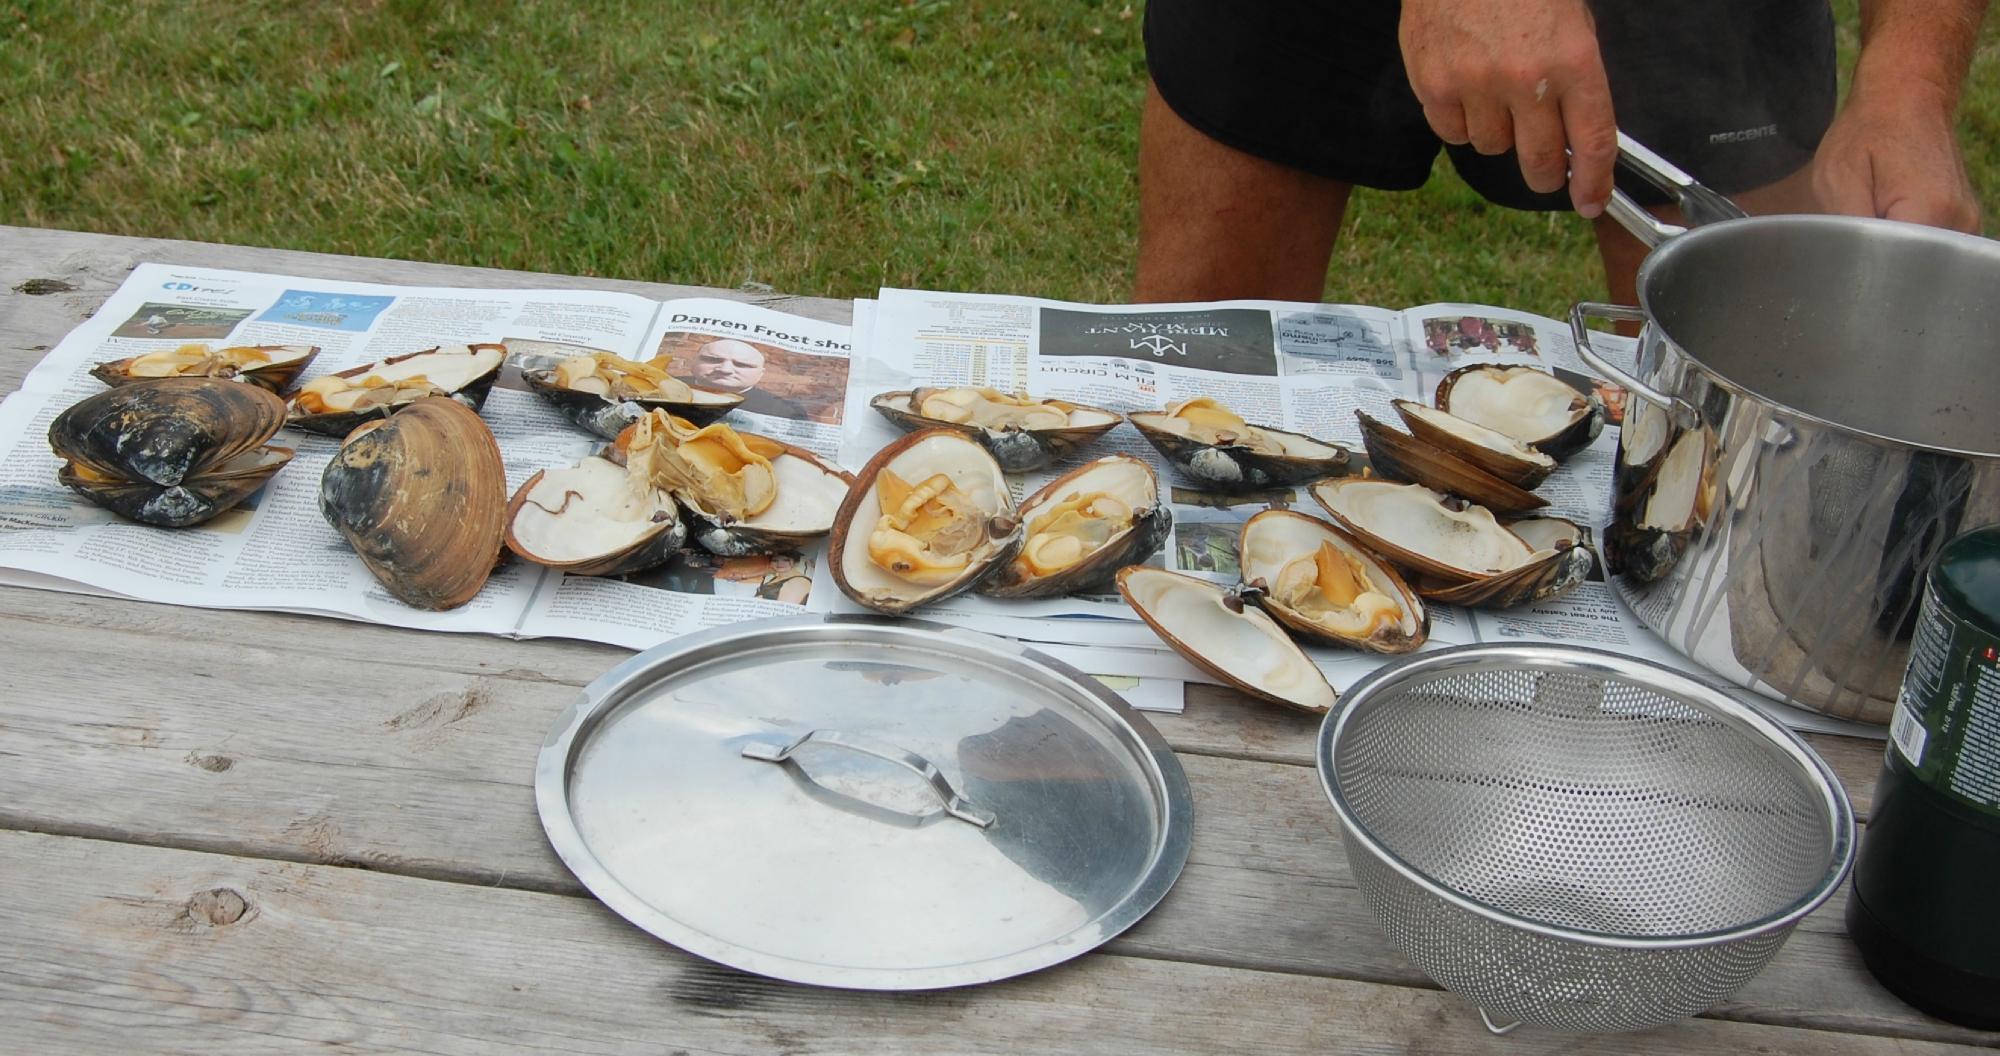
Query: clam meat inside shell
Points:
[335, 403]
[929, 516]
[1085, 525]
[1319, 581]
[1022, 432]
[745, 493]
[270, 366]
[1217, 447]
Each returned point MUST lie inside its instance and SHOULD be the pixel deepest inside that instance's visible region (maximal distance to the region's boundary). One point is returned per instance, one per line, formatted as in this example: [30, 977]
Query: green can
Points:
[1926, 907]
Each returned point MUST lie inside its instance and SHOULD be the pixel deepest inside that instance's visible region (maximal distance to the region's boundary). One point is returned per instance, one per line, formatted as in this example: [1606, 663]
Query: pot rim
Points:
[1679, 244]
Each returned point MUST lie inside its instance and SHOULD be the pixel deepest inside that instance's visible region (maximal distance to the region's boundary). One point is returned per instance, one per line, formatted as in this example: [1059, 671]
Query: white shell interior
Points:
[970, 468]
[1247, 644]
[1544, 533]
[450, 368]
[1645, 431]
[604, 512]
[1475, 434]
[1414, 517]
[1270, 541]
[1522, 402]
[808, 497]
[1675, 489]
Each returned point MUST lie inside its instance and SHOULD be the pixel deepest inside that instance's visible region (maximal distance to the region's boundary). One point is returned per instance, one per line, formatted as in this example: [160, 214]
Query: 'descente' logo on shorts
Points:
[1743, 135]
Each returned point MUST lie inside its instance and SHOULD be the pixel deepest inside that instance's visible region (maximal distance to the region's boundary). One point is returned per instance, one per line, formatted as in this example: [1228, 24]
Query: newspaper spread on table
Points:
[1301, 367]
[1306, 368]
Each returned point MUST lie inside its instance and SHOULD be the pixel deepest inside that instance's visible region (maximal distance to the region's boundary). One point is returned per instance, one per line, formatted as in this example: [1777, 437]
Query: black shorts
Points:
[1738, 92]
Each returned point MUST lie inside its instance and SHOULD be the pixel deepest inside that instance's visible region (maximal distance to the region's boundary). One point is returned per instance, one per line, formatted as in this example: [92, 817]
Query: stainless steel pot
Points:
[1810, 421]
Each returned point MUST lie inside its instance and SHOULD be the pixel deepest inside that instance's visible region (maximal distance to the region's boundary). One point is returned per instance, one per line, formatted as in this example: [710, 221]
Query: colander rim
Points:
[1708, 692]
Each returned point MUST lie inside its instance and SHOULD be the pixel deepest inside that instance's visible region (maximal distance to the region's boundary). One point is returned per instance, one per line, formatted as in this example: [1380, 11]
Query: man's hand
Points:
[1893, 151]
[1520, 74]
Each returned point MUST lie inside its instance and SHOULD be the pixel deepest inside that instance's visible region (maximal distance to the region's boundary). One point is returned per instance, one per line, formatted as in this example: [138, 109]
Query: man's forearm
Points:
[1918, 45]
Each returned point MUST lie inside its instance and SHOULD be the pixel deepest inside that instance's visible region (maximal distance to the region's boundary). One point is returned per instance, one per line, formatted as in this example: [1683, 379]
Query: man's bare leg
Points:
[1216, 223]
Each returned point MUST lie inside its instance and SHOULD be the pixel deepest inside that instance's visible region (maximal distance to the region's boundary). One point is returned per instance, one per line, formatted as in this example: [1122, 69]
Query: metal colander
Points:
[1577, 839]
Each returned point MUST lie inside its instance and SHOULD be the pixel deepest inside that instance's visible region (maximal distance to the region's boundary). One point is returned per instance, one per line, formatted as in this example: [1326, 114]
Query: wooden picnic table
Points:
[252, 832]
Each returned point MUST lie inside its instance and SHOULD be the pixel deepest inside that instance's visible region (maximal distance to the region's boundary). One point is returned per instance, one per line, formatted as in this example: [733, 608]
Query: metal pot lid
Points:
[863, 802]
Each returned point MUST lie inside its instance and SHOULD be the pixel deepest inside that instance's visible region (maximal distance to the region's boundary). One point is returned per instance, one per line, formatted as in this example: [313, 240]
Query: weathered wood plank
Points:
[425, 770]
[180, 952]
[1217, 721]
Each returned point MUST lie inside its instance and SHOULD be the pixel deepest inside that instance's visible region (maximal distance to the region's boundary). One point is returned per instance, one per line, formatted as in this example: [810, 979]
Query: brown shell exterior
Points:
[166, 431]
[422, 498]
[1399, 456]
[1233, 467]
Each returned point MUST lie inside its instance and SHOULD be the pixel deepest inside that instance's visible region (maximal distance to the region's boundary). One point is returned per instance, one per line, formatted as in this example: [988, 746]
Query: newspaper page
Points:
[275, 551]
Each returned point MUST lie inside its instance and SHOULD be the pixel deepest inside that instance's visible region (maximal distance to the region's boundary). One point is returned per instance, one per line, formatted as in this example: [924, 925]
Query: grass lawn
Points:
[818, 148]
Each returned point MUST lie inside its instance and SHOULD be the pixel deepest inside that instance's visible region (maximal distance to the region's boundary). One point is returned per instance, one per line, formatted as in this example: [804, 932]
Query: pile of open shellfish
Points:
[605, 393]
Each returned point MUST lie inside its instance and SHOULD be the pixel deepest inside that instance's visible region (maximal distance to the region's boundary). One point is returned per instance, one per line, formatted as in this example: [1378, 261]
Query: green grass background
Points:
[818, 148]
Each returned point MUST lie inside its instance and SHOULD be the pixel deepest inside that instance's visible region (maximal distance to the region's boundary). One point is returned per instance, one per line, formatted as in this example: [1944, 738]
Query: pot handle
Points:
[1698, 204]
[1682, 412]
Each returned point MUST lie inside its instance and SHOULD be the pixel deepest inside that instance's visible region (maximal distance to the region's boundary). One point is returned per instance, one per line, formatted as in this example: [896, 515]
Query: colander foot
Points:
[1494, 1029]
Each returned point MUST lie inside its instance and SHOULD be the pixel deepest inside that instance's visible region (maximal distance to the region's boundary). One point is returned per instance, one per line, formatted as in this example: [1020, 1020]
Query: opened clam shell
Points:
[1216, 448]
[421, 496]
[170, 452]
[1532, 406]
[1657, 508]
[1562, 558]
[605, 393]
[1021, 431]
[1399, 456]
[596, 518]
[743, 493]
[1322, 583]
[929, 516]
[1237, 643]
[1489, 449]
[272, 367]
[335, 403]
[1082, 527]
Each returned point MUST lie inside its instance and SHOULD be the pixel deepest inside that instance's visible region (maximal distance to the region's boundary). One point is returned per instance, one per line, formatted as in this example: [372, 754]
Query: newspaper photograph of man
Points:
[771, 380]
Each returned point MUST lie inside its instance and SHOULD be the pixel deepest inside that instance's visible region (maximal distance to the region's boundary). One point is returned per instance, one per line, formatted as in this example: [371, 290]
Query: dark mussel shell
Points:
[171, 452]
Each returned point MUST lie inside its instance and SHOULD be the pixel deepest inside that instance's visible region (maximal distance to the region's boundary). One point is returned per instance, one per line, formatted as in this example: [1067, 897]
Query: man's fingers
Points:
[1592, 132]
[1538, 141]
[1448, 121]
[1845, 189]
[1488, 126]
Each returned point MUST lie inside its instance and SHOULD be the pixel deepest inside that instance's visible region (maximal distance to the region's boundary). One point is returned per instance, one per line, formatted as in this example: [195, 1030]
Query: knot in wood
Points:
[218, 906]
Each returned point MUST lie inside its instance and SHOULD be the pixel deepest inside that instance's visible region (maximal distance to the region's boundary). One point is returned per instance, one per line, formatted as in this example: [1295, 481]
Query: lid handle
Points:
[954, 804]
